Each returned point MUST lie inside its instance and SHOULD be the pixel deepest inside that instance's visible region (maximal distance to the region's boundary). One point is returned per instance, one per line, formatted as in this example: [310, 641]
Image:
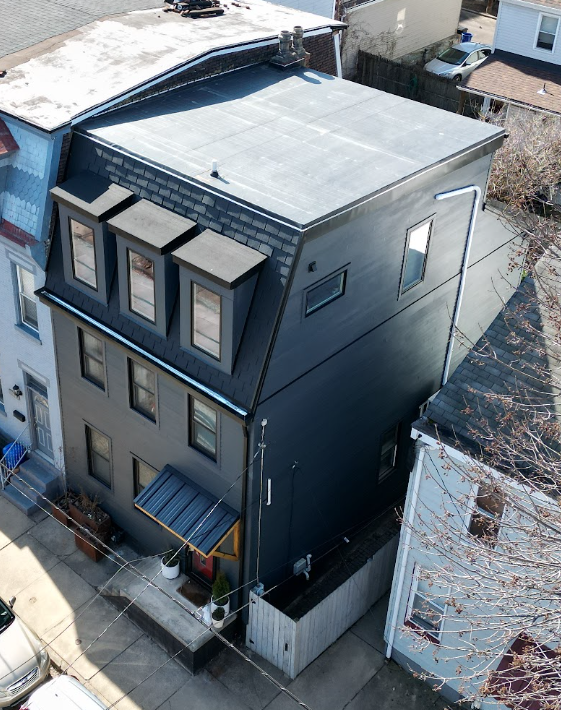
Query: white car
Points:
[63, 693]
[459, 60]
[24, 663]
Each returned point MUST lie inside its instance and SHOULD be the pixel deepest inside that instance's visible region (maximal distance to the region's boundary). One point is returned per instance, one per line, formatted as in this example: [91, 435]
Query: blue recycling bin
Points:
[13, 454]
[467, 36]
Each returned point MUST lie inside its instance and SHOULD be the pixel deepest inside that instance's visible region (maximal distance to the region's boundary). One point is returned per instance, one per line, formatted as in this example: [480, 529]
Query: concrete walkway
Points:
[56, 586]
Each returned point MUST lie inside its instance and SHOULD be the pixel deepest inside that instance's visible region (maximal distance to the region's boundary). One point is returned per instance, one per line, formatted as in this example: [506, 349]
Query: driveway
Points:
[481, 26]
[56, 588]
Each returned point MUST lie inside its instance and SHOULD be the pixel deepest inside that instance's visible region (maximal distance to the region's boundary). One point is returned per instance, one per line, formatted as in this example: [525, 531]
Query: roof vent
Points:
[290, 54]
[543, 91]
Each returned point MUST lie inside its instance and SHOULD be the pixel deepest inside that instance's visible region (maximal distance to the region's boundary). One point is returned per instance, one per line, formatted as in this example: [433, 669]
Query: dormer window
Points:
[547, 32]
[82, 241]
[142, 292]
[217, 281]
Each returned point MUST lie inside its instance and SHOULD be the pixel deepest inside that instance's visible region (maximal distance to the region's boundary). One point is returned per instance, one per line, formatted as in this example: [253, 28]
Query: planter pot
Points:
[226, 607]
[88, 548]
[99, 528]
[60, 514]
[170, 572]
[218, 623]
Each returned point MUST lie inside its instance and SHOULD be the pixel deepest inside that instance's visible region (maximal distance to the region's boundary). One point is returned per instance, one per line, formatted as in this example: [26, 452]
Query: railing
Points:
[9, 462]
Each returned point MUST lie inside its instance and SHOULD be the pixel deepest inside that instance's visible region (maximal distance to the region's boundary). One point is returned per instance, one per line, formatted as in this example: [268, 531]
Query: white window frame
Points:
[539, 29]
[476, 510]
[432, 634]
[403, 287]
[22, 295]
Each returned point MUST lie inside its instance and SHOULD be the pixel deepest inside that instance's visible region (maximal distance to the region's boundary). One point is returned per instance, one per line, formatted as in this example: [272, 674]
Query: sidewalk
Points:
[56, 586]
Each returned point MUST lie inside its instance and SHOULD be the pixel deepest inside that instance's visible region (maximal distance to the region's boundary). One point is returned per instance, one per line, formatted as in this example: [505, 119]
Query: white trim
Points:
[508, 102]
[548, 52]
[413, 591]
[530, 4]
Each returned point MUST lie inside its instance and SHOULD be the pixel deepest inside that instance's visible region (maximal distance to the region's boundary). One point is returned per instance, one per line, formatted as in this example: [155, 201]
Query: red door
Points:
[202, 566]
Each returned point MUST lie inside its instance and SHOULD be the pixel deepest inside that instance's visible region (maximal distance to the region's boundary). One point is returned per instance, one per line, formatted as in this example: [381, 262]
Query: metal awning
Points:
[186, 510]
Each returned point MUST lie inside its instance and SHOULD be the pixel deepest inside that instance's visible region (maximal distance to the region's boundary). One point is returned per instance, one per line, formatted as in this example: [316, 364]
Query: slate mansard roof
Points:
[293, 149]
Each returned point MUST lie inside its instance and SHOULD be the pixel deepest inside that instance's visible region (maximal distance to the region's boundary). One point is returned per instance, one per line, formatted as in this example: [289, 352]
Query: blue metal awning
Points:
[186, 510]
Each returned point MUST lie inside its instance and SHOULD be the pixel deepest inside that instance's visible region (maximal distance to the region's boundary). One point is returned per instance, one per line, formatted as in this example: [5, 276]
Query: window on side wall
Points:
[27, 300]
[416, 251]
[92, 358]
[143, 475]
[142, 293]
[82, 244]
[207, 320]
[142, 390]
[388, 452]
[486, 518]
[2, 409]
[327, 291]
[547, 32]
[99, 455]
[203, 428]
[426, 607]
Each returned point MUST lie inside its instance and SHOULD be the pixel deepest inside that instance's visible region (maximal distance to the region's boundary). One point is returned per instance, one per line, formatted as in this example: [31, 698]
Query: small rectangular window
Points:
[416, 256]
[82, 242]
[142, 294]
[203, 427]
[388, 452]
[142, 390]
[92, 359]
[1, 396]
[427, 605]
[143, 475]
[486, 518]
[99, 455]
[27, 300]
[547, 32]
[325, 293]
[206, 320]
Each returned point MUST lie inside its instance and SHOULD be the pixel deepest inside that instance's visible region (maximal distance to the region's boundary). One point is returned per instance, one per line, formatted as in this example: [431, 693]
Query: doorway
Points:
[40, 419]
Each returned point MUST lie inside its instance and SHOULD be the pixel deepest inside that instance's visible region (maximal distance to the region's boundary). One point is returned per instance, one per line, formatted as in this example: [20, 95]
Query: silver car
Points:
[459, 60]
[23, 661]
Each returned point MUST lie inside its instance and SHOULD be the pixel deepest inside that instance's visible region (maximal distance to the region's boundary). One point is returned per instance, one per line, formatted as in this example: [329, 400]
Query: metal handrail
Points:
[5, 470]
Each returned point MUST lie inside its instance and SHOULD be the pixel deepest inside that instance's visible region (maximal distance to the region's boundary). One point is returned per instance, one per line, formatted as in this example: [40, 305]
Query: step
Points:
[43, 477]
[17, 498]
[21, 484]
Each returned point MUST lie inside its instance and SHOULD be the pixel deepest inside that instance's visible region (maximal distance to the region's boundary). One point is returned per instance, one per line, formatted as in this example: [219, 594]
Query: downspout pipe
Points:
[477, 198]
[421, 450]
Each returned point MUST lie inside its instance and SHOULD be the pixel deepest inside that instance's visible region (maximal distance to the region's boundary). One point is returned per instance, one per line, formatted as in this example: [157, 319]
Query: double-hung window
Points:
[207, 320]
[416, 255]
[547, 32]
[99, 455]
[142, 390]
[143, 475]
[27, 300]
[82, 243]
[203, 428]
[426, 607]
[142, 293]
[486, 517]
[92, 359]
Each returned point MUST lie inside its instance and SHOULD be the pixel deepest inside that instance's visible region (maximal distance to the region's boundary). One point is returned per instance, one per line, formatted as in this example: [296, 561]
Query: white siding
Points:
[394, 28]
[516, 32]
[317, 7]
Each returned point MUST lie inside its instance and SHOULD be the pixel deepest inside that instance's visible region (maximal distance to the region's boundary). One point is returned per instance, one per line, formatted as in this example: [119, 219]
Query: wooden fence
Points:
[411, 82]
[290, 644]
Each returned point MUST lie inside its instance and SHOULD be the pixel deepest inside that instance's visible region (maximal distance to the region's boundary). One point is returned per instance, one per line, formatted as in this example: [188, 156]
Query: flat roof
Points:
[92, 195]
[54, 82]
[150, 225]
[219, 258]
[300, 145]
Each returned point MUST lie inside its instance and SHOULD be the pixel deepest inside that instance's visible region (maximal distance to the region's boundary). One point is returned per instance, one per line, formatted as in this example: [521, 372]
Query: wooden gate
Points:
[271, 634]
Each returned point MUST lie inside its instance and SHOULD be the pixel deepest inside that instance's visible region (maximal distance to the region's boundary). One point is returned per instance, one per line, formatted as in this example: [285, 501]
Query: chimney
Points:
[287, 57]
[299, 50]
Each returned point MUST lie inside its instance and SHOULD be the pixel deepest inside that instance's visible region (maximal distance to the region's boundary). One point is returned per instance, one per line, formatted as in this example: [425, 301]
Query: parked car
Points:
[24, 663]
[459, 60]
[63, 693]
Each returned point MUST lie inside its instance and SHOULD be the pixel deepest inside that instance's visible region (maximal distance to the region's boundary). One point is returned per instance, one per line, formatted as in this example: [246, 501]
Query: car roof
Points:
[470, 46]
[63, 693]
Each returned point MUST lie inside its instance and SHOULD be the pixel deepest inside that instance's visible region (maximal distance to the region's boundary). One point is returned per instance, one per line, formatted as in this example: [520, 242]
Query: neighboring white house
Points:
[524, 70]
[456, 613]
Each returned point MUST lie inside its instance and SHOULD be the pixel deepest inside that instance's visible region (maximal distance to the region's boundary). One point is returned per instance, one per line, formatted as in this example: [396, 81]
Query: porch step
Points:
[43, 477]
[17, 498]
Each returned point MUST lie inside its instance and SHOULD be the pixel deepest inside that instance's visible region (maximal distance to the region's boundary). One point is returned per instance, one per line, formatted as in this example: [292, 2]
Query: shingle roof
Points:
[515, 78]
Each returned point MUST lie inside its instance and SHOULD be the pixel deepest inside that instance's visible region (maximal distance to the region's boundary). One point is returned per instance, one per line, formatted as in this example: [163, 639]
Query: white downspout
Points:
[443, 196]
[337, 48]
[421, 449]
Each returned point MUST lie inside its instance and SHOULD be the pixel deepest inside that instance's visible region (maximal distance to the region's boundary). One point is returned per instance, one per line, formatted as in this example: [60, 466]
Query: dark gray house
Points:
[299, 292]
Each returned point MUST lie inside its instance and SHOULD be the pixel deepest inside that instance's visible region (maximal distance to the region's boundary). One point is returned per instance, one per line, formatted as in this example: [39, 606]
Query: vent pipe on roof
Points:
[291, 53]
[298, 37]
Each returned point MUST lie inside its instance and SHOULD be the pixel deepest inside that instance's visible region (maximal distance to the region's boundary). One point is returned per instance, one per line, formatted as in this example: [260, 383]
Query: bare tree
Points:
[492, 535]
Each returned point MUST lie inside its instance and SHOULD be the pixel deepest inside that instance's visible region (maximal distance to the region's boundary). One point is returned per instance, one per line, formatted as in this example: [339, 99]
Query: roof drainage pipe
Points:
[456, 316]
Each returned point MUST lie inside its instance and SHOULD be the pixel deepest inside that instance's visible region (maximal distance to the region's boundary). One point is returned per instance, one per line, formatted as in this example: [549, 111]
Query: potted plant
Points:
[89, 546]
[86, 512]
[170, 564]
[60, 508]
[218, 617]
[220, 593]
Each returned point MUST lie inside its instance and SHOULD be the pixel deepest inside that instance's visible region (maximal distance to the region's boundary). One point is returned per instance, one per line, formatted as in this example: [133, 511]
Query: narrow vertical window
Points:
[142, 295]
[416, 256]
[82, 242]
[427, 605]
[92, 359]
[1, 396]
[203, 427]
[143, 475]
[27, 300]
[388, 452]
[486, 518]
[142, 390]
[99, 456]
[206, 319]
[547, 32]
